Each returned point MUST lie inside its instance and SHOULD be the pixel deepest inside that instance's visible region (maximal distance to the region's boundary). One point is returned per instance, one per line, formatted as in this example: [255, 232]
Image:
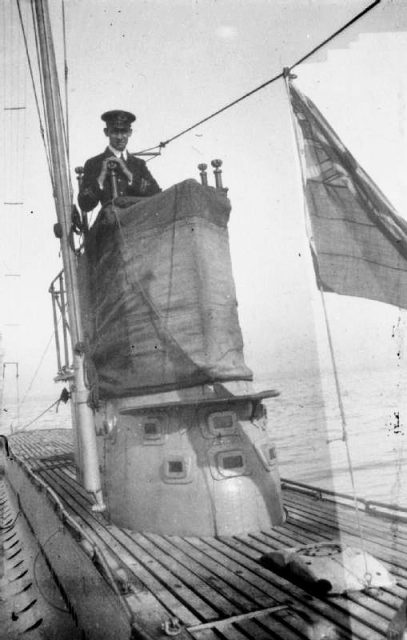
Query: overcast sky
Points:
[173, 63]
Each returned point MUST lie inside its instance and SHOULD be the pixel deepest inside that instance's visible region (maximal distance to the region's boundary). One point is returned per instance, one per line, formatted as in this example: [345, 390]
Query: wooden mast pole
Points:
[89, 464]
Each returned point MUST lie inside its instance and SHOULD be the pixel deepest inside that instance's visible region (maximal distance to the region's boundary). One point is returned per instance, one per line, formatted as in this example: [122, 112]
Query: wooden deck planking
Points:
[245, 595]
[169, 572]
[142, 565]
[205, 579]
[231, 572]
[311, 524]
[303, 532]
[206, 547]
[368, 602]
[315, 607]
[393, 552]
[339, 515]
[120, 533]
[393, 556]
[255, 631]
[321, 516]
[345, 517]
[159, 571]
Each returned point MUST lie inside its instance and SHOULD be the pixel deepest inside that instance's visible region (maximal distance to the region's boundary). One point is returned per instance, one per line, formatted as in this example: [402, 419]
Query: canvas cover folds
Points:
[159, 299]
[359, 243]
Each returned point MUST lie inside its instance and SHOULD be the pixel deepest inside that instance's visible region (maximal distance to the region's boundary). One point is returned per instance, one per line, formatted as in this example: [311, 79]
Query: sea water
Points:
[361, 445]
[349, 436]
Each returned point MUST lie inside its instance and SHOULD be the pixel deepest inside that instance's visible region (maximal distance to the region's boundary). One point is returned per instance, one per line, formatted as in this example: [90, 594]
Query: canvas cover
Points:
[158, 294]
[359, 243]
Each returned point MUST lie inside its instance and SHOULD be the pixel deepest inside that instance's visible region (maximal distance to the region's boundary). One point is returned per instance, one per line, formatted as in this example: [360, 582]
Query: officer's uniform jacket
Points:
[90, 193]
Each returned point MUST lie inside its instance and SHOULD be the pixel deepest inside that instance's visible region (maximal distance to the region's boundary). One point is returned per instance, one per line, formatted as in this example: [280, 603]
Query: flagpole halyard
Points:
[308, 223]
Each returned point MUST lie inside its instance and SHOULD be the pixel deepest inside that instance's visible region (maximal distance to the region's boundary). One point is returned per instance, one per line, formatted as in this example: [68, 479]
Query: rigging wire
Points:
[41, 77]
[66, 73]
[65, 121]
[17, 389]
[280, 75]
[14, 123]
[39, 416]
[38, 367]
[42, 130]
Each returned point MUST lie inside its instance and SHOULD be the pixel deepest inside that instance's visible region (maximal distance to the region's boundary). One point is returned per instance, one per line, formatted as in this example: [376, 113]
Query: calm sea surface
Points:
[308, 428]
[305, 422]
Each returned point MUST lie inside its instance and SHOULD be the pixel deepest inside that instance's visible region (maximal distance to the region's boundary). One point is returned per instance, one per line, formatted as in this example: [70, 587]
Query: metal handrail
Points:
[62, 334]
[373, 507]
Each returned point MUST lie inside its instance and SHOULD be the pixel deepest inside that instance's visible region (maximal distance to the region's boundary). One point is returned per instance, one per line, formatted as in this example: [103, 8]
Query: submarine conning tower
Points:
[184, 444]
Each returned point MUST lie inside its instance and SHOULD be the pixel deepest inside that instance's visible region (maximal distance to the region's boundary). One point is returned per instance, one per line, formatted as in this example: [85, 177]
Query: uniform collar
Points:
[118, 153]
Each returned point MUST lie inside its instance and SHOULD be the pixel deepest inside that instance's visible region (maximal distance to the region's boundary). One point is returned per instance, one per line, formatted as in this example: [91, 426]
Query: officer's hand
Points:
[120, 162]
[124, 168]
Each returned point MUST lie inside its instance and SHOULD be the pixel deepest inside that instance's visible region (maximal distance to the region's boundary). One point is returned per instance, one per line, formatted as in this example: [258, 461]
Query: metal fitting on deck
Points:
[172, 627]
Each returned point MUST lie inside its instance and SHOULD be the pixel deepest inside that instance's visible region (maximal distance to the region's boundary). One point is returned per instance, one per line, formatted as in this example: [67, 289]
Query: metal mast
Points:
[89, 464]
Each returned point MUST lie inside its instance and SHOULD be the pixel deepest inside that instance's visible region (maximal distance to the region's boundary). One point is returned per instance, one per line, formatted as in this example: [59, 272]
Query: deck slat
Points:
[215, 571]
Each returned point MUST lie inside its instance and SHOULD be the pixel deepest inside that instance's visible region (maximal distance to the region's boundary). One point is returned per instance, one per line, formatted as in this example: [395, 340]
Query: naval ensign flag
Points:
[358, 241]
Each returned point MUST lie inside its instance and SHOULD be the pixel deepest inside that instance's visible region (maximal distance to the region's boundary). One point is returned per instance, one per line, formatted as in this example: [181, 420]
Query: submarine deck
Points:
[207, 588]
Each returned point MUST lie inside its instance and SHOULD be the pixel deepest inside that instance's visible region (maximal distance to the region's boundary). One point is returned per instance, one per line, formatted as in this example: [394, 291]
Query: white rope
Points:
[42, 130]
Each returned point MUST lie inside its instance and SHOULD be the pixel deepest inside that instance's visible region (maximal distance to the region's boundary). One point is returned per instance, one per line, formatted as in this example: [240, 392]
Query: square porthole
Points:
[177, 469]
[222, 423]
[231, 463]
[152, 430]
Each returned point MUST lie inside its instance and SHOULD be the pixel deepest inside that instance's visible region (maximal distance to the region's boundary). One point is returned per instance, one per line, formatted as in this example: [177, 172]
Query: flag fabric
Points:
[358, 242]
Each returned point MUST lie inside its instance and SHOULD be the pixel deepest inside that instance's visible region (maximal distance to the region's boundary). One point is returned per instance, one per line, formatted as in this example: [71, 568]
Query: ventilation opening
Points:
[177, 469]
[223, 422]
[153, 431]
[150, 429]
[175, 466]
[232, 462]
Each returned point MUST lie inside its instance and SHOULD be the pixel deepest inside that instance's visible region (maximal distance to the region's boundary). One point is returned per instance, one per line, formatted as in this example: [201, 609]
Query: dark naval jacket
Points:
[90, 193]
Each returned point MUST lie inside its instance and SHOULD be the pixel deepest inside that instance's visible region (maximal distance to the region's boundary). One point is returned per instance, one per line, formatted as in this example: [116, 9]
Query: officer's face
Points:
[118, 138]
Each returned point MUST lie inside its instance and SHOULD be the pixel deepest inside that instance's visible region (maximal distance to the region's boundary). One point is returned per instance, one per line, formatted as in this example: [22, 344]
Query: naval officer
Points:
[133, 177]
